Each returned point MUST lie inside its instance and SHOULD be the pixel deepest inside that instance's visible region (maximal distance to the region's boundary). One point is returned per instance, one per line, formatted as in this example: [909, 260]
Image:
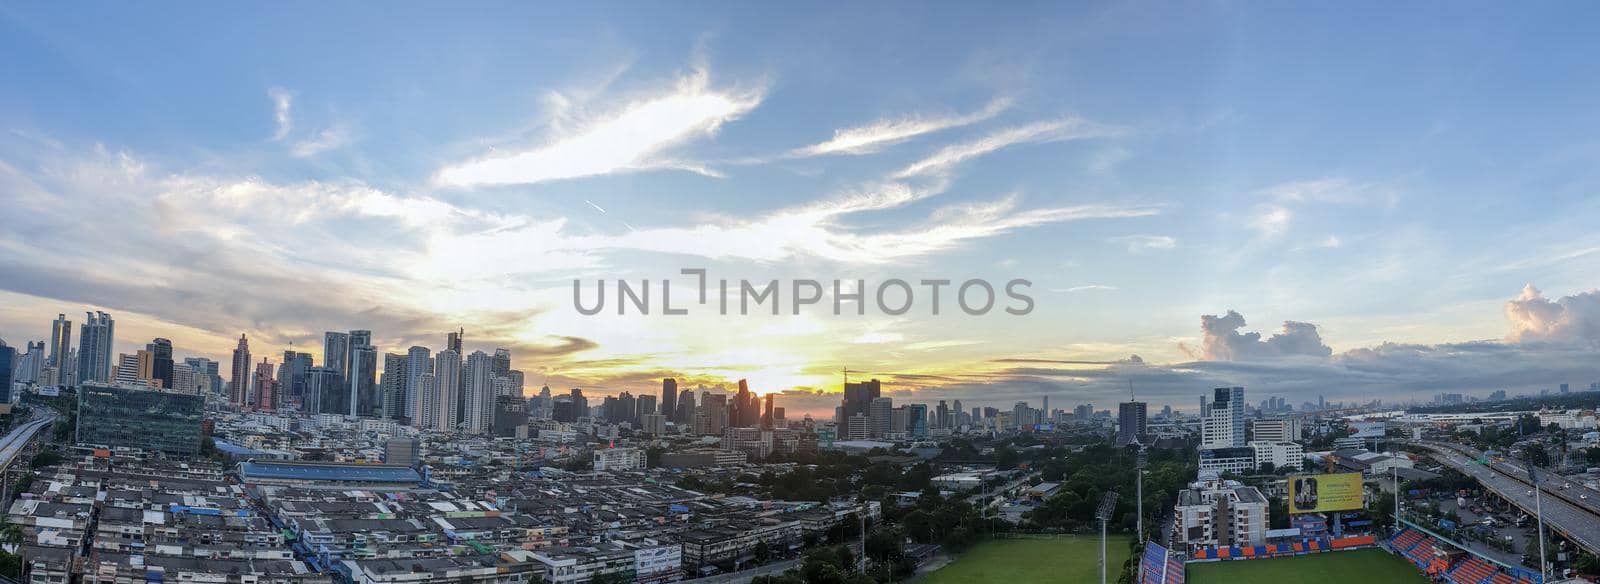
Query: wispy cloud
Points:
[329, 138]
[1271, 220]
[1145, 243]
[1046, 131]
[282, 104]
[884, 133]
[628, 138]
[1085, 288]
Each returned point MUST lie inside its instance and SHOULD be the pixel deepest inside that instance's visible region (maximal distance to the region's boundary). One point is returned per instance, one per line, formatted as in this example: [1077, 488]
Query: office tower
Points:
[858, 397]
[359, 338]
[292, 377]
[1224, 424]
[453, 340]
[30, 365]
[336, 351]
[479, 413]
[418, 362]
[879, 414]
[60, 341]
[95, 339]
[941, 416]
[1203, 407]
[168, 422]
[183, 378]
[686, 407]
[669, 398]
[516, 380]
[326, 392]
[509, 412]
[127, 369]
[8, 362]
[502, 362]
[1044, 406]
[622, 408]
[713, 414]
[766, 415]
[580, 404]
[447, 375]
[427, 407]
[392, 384]
[266, 396]
[1132, 424]
[646, 405]
[362, 374]
[917, 420]
[161, 361]
[207, 374]
[745, 411]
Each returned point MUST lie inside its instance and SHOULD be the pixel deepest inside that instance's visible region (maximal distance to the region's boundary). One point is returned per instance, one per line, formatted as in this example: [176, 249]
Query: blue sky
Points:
[1389, 174]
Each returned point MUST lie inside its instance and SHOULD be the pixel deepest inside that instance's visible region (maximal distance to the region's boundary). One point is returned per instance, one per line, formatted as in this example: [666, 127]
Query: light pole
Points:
[1138, 467]
[1107, 505]
[1538, 512]
[1396, 469]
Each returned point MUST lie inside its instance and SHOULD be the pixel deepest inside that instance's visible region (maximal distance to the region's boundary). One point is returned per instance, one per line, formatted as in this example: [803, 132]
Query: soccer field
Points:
[1015, 561]
[1369, 566]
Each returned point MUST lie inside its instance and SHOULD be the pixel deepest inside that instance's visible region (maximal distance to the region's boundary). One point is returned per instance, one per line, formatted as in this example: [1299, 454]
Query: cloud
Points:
[884, 133]
[628, 138]
[282, 102]
[1222, 341]
[1085, 288]
[1045, 131]
[1574, 318]
[1145, 243]
[1271, 220]
[328, 139]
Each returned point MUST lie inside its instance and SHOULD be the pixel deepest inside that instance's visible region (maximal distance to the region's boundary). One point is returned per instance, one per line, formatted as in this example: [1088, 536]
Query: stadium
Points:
[1411, 555]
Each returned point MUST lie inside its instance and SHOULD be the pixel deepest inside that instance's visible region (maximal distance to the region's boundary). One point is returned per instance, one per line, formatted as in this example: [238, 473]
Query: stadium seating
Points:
[1473, 571]
[1158, 566]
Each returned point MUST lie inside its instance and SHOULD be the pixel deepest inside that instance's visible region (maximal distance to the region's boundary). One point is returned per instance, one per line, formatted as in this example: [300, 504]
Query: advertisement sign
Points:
[1366, 429]
[1325, 492]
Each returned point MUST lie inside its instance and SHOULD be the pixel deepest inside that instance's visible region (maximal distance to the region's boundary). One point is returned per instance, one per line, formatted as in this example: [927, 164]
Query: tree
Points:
[763, 552]
[1265, 468]
[1536, 454]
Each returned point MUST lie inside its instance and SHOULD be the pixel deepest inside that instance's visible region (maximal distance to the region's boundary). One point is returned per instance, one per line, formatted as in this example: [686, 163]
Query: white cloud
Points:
[1085, 288]
[1569, 318]
[629, 138]
[1047, 131]
[883, 133]
[1271, 220]
[1144, 243]
[282, 103]
[328, 139]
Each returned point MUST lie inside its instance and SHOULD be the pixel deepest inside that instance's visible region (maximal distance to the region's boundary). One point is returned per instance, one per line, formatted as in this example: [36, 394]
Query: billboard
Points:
[1366, 429]
[1325, 492]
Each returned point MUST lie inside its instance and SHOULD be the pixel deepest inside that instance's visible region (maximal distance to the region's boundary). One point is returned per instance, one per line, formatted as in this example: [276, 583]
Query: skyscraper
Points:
[60, 342]
[240, 377]
[1132, 423]
[427, 408]
[392, 385]
[292, 377]
[336, 351]
[1224, 423]
[363, 376]
[669, 398]
[326, 392]
[418, 363]
[453, 340]
[95, 339]
[857, 400]
[447, 375]
[161, 361]
[8, 361]
[266, 396]
[479, 413]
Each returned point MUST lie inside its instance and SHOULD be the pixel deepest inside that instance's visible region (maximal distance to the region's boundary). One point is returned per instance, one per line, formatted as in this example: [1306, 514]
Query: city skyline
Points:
[1195, 206]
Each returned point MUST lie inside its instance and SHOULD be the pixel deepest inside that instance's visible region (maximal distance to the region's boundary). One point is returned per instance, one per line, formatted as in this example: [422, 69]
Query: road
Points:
[1578, 524]
[12, 444]
[740, 576]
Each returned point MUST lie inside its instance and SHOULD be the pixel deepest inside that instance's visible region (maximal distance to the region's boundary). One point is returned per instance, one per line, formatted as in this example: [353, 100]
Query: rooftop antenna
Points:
[847, 374]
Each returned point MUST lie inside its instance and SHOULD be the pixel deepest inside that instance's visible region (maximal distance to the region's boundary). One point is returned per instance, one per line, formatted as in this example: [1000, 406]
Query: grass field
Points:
[1016, 561]
[1368, 566]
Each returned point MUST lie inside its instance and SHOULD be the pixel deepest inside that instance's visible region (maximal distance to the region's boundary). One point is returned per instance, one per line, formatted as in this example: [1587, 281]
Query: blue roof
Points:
[235, 449]
[328, 472]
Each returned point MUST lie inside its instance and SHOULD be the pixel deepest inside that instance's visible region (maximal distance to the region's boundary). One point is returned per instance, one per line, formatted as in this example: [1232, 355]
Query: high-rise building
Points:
[30, 365]
[363, 378]
[239, 380]
[427, 410]
[392, 386]
[336, 351]
[447, 375]
[502, 362]
[402, 451]
[685, 412]
[858, 397]
[453, 340]
[95, 339]
[479, 413]
[265, 396]
[1132, 423]
[418, 362]
[127, 370]
[207, 375]
[292, 377]
[152, 420]
[161, 361]
[509, 412]
[8, 361]
[60, 341]
[879, 415]
[326, 392]
[1224, 423]
[917, 420]
[669, 397]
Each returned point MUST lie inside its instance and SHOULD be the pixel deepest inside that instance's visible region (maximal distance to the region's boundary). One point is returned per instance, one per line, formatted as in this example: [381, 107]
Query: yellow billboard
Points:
[1325, 492]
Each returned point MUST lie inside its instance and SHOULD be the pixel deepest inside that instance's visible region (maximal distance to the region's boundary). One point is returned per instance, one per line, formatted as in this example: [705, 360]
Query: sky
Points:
[1352, 202]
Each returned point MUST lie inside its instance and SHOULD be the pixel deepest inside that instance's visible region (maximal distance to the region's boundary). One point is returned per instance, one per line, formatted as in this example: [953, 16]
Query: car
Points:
[1583, 496]
[1530, 492]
